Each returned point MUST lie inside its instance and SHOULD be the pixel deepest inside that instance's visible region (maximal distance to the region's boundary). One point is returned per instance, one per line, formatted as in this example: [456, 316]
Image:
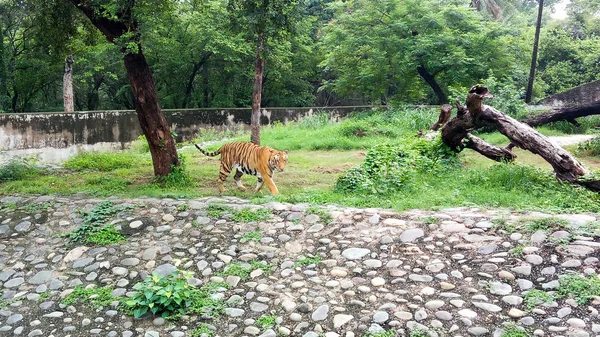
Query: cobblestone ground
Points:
[453, 272]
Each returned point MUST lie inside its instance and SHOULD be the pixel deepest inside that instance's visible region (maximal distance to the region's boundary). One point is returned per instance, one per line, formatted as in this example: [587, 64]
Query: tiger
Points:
[249, 158]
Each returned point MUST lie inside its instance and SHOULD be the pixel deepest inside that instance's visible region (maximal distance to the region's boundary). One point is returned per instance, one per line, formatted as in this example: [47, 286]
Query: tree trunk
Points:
[430, 80]
[477, 115]
[68, 99]
[564, 114]
[536, 41]
[4, 95]
[257, 91]
[444, 117]
[190, 85]
[152, 121]
[206, 89]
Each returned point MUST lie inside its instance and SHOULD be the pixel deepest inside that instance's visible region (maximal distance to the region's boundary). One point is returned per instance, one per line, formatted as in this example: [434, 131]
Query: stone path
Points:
[454, 272]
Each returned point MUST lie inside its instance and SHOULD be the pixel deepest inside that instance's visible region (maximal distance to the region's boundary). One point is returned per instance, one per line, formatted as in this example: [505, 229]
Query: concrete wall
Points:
[581, 95]
[28, 131]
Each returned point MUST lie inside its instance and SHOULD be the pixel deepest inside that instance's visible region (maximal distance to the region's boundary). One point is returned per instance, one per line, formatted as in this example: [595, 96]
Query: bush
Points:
[178, 176]
[140, 145]
[101, 161]
[590, 147]
[19, 169]
[388, 168]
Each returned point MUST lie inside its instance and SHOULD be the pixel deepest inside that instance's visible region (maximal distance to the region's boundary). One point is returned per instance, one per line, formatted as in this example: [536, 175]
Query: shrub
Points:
[178, 176]
[388, 168]
[140, 145]
[590, 147]
[19, 169]
[100, 161]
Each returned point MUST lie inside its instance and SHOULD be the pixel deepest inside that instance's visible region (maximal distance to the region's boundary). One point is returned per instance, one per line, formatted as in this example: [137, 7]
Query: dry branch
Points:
[565, 114]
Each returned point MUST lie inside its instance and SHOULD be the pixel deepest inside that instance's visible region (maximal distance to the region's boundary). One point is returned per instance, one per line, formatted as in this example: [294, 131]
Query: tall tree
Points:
[69, 101]
[265, 21]
[536, 41]
[4, 98]
[118, 21]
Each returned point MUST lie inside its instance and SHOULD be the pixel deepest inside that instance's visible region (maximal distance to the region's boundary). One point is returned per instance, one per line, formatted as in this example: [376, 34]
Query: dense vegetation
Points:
[372, 159]
[360, 51]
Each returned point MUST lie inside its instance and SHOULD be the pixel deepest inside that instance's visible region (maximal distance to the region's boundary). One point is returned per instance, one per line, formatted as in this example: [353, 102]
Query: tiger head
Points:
[278, 160]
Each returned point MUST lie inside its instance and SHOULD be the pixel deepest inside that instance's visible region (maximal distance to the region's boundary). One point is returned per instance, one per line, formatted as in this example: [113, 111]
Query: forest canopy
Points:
[341, 52]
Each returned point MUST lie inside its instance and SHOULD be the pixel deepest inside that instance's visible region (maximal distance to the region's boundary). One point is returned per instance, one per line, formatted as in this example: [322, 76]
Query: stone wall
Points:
[581, 95]
[65, 130]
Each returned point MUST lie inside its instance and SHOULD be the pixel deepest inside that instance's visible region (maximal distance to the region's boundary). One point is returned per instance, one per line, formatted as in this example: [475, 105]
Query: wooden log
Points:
[565, 114]
[443, 118]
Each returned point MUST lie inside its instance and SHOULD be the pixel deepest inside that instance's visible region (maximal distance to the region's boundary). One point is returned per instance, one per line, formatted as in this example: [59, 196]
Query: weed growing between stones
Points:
[217, 210]
[416, 333]
[95, 297]
[265, 322]
[36, 208]
[546, 224]
[202, 330]
[392, 333]
[515, 331]
[517, 251]
[323, 214]
[172, 296]
[243, 270]
[307, 261]
[248, 215]
[534, 297]
[92, 229]
[580, 288]
[251, 236]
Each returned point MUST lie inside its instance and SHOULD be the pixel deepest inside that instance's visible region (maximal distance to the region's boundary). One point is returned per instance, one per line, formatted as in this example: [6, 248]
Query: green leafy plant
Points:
[183, 207]
[392, 333]
[172, 296]
[44, 296]
[306, 261]
[19, 169]
[429, 220]
[95, 297]
[265, 322]
[516, 251]
[202, 329]
[92, 230]
[217, 210]
[178, 176]
[251, 236]
[249, 215]
[546, 224]
[35, 208]
[513, 330]
[534, 297]
[589, 148]
[243, 269]
[579, 287]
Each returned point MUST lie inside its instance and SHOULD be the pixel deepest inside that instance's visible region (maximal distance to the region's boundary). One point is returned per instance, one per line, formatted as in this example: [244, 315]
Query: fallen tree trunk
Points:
[566, 114]
[476, 115]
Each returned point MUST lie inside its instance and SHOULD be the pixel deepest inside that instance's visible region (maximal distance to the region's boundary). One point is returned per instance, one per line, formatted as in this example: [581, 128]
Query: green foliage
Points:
[36, 208]
[140, 145]
[307, 261]
[100, 161]
[517, 251]
[513, 330]
[178, 176]
[202, 330]
[92, 231]
[94, 297]
[546, 224]
[249, 215]
[217, 210]
[534, 297]
[389, 168]
[589, 148]
[19, 169]
[44, 296]
[172, 296]
[243, 269]
[323, 214]
[579, 287]
[415, 333]
[265, 322]
[429, 220]
[251, 236]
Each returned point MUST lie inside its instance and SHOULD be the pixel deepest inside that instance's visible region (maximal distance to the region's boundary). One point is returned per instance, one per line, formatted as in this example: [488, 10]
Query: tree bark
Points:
[257, 91]
[430, 80]
[536, 41]
[68, 99]
[476, 115]
[564, 114]
[152, 121]
[444, 117]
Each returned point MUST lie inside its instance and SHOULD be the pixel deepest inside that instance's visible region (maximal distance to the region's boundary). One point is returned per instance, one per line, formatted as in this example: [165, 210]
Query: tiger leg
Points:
[237, 177]
[223, 173]
[271, 185]
[259, 185]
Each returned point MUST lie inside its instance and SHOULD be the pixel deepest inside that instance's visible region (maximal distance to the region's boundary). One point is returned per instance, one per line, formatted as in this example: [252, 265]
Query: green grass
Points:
[19, 169]
[201, 329]
[93, 231]
[249, 215]
[517, 251]
[251, 236]
[546, 224]
[323, 214]
[312, 172]
[265, 322]
[94, 297]
[534, 297]
[392, 333]
[243, 270]
[217, 210]
[306, 261]
[513, 330]
[579, 287]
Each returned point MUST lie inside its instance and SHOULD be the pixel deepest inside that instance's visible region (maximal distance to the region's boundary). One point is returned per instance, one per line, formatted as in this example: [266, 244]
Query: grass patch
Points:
[513, 330]
[429, 220]
[392, 333]
[534, 297]
[217, 210]
[19, 169]
[37, 208]
[546, 224]
[251, 236]
[265, 322]
[517, 251]
[323, 214]
[44, 296]
[92, 229]
[243, 269]
[101, 161]
[307, 261]
[579, 287]
[94, 297]
[202, 329]
[249, 215]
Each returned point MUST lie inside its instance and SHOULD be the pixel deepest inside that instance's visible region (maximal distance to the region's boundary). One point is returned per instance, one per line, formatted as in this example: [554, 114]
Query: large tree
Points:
[118, 20]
